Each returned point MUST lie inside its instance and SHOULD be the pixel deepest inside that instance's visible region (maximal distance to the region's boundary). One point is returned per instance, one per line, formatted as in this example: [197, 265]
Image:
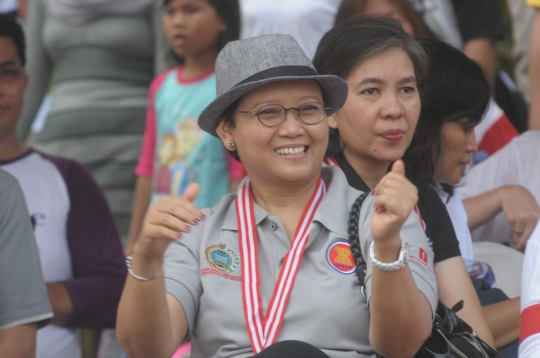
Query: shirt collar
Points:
[333, 212]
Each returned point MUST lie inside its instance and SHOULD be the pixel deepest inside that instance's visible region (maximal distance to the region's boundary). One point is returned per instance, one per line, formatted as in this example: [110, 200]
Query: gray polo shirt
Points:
[23, 296]
[326, 307]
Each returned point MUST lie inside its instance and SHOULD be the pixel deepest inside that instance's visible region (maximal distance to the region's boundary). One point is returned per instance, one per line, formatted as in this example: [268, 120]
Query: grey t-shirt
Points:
[325, 308]
[23, 295]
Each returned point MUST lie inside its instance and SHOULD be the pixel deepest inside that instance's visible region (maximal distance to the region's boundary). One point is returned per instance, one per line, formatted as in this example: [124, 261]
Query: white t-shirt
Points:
[518, 163]
[8, 6]
[305, 20]
[459, 218]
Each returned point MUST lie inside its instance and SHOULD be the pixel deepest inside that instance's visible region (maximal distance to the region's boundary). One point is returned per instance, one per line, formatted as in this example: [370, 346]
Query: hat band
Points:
[282, 71]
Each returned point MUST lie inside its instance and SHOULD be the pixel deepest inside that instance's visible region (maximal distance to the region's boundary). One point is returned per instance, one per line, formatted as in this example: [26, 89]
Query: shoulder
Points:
[68, 168]
[158, 81]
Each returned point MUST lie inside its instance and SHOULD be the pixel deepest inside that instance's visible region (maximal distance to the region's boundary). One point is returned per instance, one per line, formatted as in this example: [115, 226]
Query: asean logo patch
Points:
[221, 258]
[340, 257]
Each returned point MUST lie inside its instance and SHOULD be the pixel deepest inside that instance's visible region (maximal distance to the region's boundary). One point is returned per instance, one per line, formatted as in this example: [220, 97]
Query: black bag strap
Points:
[354, 239]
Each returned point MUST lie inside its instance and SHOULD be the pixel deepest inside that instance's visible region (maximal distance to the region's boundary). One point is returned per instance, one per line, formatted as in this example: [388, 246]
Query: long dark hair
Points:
[355, 40]
[456, 88]
[229, 12]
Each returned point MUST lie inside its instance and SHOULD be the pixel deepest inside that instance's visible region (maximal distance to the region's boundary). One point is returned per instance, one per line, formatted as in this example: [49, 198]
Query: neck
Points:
[371, 171]
[11, 147]
[286, 202]
[198, 65]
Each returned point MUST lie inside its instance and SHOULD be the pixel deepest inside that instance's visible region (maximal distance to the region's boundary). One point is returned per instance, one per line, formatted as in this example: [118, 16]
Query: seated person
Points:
[455, 97]
[79, 246]
[272, 263]
[24, 305]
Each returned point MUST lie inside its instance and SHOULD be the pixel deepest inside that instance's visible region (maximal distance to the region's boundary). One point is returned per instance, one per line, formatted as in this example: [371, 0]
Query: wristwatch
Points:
[400, 263]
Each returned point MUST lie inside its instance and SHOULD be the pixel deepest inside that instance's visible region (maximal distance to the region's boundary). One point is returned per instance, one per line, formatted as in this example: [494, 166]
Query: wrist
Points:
[387, 250]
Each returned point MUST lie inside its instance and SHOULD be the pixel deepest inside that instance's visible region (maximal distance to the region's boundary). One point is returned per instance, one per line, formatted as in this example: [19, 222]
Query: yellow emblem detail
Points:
[343, 256]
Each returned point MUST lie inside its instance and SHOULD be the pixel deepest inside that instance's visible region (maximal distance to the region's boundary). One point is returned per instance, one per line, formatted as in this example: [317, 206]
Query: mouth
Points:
[291, 151]
[393, 135]
[179, 40]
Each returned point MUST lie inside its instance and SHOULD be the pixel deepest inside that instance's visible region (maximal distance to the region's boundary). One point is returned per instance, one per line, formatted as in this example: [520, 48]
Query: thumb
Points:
[399, 167]
[191, 192]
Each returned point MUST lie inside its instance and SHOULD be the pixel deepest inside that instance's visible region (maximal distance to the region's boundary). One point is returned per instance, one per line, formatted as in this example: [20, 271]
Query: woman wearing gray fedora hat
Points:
[269, 270]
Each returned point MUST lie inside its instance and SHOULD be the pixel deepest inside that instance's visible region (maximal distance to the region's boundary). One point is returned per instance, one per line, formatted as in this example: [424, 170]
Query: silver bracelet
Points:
[400, 263]
[140, 278]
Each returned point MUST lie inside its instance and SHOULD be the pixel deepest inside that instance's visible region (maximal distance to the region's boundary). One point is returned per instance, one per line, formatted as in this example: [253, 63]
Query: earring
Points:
[232, 144]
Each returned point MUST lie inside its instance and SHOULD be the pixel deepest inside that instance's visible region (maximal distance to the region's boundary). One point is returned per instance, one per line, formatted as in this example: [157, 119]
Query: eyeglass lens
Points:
[273, 114]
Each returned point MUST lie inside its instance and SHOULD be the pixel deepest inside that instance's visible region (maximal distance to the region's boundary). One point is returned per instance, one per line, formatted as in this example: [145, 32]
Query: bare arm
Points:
[150, 322]
[143, 190]
[60, 302]
[503, 319]
[401, 316]
[19, 341]
[534, 74]
[517, 203]
[454, 285]
[483, 50]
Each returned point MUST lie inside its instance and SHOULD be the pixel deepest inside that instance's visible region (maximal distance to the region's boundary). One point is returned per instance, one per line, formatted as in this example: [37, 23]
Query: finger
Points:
[527, 232]
[170, 222]
[182, 209]
[398, 167]
[191, 192]
[157, 232]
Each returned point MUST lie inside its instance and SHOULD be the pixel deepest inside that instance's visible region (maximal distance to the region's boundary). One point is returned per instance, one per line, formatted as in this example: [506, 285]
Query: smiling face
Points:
[457, 144]
[192, 27]
[288, 153]
[378, 120]
[12, 85]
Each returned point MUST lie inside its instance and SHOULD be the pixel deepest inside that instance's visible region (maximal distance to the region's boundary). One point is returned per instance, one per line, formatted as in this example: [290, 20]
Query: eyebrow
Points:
[8, 63]
[378, 81]
[265, 102]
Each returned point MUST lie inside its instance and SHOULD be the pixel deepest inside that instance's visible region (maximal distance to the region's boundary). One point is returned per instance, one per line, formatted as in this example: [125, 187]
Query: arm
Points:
[19, 341]
[161, 323]
[517, 203]
[454, 285]
[401, 316]
[484, 51]
[97, 258]
[143, 192]
[39, 68]
[534, 73]
[503, 320]
[60, 302]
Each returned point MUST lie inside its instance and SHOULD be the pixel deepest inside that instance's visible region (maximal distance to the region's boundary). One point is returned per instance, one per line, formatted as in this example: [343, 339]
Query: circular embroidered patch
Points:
[221, 258]
[340, 258]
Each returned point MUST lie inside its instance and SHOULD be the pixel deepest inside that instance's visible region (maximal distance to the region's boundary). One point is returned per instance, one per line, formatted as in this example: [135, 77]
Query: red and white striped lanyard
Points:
[263, 329]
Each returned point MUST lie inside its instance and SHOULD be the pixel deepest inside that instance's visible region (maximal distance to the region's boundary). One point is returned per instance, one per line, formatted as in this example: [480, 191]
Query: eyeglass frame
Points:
[285, 113]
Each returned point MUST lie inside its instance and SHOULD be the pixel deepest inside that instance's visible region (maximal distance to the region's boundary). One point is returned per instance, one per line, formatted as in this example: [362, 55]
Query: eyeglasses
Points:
[273, 114]
[10, 75]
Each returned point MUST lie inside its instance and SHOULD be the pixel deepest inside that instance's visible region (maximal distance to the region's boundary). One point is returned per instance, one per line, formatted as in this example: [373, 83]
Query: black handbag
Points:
[450, 336]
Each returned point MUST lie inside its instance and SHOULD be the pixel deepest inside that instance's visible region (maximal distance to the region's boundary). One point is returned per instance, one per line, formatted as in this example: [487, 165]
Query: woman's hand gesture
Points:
[166, 220]
[397, 198]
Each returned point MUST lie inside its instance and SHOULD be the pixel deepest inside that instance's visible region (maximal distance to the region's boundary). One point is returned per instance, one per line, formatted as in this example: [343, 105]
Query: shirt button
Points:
[273, 226]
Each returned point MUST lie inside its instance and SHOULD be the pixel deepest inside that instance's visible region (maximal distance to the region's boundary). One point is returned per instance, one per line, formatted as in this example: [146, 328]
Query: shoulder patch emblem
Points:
[340, 257]
[221, 258]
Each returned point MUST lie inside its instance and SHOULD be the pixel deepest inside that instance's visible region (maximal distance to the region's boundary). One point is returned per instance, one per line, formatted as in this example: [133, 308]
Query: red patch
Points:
[213, 271]
[423, 255]
[340, 257]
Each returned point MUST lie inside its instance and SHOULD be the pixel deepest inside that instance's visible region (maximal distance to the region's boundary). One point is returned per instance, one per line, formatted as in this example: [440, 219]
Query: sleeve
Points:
[236, 169]
[145, 166]
[96, 252]
[421, 255]
[23, 295]
[479, 18]
[529, 337]
[445, 242]
[38, 68]
[182, 271]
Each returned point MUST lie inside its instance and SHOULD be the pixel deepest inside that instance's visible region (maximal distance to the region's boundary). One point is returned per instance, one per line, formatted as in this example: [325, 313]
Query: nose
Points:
[391, 107]
[292, 125]
[472, 146]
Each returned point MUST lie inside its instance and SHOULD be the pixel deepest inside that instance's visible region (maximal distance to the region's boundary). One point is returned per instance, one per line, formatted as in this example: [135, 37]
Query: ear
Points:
[221, 25]
[333, 121]
[226, 134]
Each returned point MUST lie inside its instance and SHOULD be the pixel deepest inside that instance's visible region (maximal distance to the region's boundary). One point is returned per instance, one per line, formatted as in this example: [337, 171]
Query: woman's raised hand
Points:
[521, 211]
[397, 198]
[166, 220]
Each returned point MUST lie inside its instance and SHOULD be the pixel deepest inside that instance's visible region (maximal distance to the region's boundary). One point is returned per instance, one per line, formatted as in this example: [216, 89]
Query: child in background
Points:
[175, 150]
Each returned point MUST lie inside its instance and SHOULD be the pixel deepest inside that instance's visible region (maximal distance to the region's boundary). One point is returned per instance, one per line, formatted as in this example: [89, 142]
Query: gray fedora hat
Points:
[244, 65]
